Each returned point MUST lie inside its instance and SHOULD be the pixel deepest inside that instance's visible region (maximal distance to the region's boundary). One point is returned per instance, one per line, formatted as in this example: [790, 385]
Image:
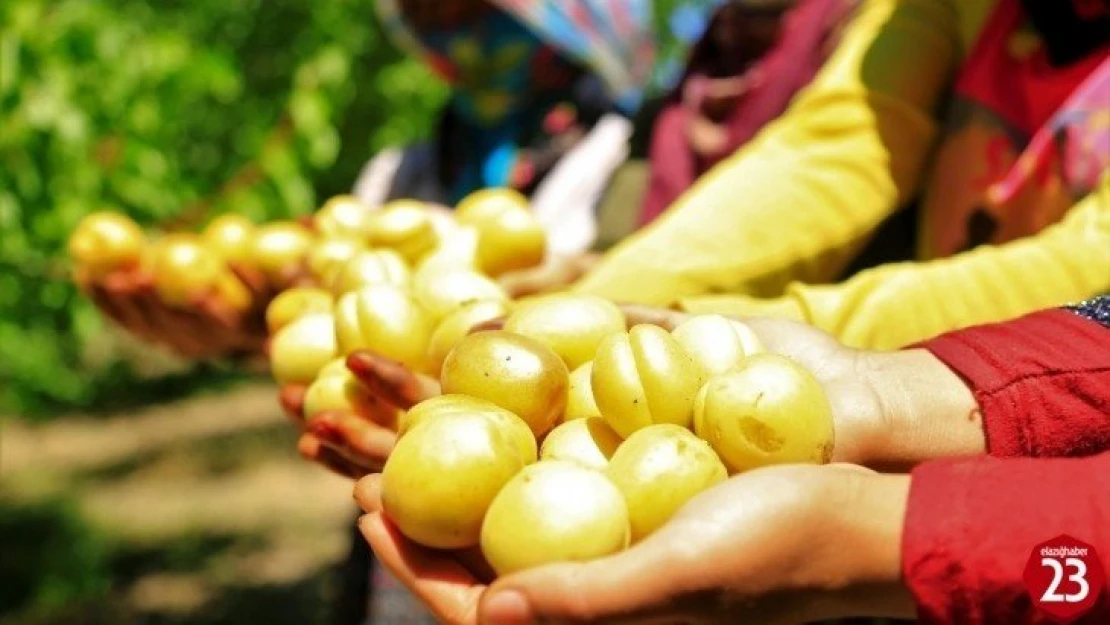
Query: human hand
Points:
[349, 444]
[891, 410]
[208, 328]
[785, 544]
[555, 273]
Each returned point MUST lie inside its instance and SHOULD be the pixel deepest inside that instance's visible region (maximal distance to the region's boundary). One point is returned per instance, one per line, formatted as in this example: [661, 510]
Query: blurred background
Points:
[135, 488]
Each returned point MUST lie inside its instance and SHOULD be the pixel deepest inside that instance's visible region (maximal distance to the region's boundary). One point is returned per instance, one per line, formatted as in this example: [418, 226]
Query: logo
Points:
[1064, 577]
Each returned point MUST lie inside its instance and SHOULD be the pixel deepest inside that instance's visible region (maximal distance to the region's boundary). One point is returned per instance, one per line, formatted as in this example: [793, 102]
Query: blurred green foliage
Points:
[163, 109]
[172, 111]
[51, 556]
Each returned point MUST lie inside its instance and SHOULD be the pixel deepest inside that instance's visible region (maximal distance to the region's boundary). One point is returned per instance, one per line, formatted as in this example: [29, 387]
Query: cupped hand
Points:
[354, 445]
[861, 424]
[785, 544]
[892, 410]
[208, 328]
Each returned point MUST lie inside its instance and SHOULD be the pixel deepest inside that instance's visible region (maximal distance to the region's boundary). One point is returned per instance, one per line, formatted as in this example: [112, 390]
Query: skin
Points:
[891, 410]
[355, 445]
[841, 556]
[804, 543]
[210, 328]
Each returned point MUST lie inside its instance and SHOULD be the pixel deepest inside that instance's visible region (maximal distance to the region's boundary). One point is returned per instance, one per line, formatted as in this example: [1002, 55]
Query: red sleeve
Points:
[1042, 382]
[971, 526]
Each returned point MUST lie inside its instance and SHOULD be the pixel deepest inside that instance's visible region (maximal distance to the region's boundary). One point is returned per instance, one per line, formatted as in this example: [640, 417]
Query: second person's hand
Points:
[354, 445]
[892, 410]
[208, 328]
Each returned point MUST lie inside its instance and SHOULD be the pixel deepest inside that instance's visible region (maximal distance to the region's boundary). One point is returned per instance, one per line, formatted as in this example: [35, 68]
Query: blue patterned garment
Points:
[510, 62]
[1097, 310]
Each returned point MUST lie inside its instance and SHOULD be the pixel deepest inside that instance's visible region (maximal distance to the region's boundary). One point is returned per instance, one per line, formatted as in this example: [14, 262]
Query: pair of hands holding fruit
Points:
[783, 544]
[351, 359]
[205, 295]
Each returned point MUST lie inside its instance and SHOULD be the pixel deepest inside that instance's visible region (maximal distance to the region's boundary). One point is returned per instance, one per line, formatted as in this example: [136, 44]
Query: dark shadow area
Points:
[298, 603]
[50, 556]
[186, 553]
[56, 570]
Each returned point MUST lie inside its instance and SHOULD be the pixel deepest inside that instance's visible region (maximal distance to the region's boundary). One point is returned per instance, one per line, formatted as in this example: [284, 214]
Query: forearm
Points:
[928, 411]
[1034, 386]
[896, 305]
[971, 526]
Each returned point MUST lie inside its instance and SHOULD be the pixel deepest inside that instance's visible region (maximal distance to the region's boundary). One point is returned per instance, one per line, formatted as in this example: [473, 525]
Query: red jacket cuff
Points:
[1042, 382]
[971, 526]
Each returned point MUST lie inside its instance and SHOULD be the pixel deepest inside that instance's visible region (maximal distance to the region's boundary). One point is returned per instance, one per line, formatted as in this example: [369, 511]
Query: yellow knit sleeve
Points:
[801, 198]
[896, 305]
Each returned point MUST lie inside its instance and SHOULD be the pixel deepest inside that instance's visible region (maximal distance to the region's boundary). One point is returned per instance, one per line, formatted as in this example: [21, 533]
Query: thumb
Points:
[636, 314]
[291, 398]
[391, 381]
[643, 584]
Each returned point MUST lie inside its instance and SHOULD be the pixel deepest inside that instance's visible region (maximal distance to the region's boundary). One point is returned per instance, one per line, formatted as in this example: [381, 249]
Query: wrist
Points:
[925, 411]
[873, 520]
[852, 563]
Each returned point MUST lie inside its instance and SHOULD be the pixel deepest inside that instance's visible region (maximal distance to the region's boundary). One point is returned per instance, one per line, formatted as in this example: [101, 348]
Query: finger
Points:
[636, 314]
[291, 399]
[357, 440]
[109, 307]
[475, 561]
[313, 450]
[553, 274]
[521, 283]
[492, 325]
[390, 381]
[295, 275]
[228, 326]
[368, 493]
[853, 468]
[125, 291]
[436, 578]
[168, 324]
[535, 280]
[188, 331]
[623, 588]
[218, 313]
[307, 222]
[261, 294]
[254, 280]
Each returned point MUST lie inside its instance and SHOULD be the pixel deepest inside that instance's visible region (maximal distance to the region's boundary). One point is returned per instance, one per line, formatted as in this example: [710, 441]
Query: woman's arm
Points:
[1042, 382]
[800, 543]
[971, 526]
[1034, 386]
[799, 200]
[891, 306]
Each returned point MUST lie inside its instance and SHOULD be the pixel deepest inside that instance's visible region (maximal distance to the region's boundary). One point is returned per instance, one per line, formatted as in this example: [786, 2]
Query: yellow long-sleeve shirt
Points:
[797, 203]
